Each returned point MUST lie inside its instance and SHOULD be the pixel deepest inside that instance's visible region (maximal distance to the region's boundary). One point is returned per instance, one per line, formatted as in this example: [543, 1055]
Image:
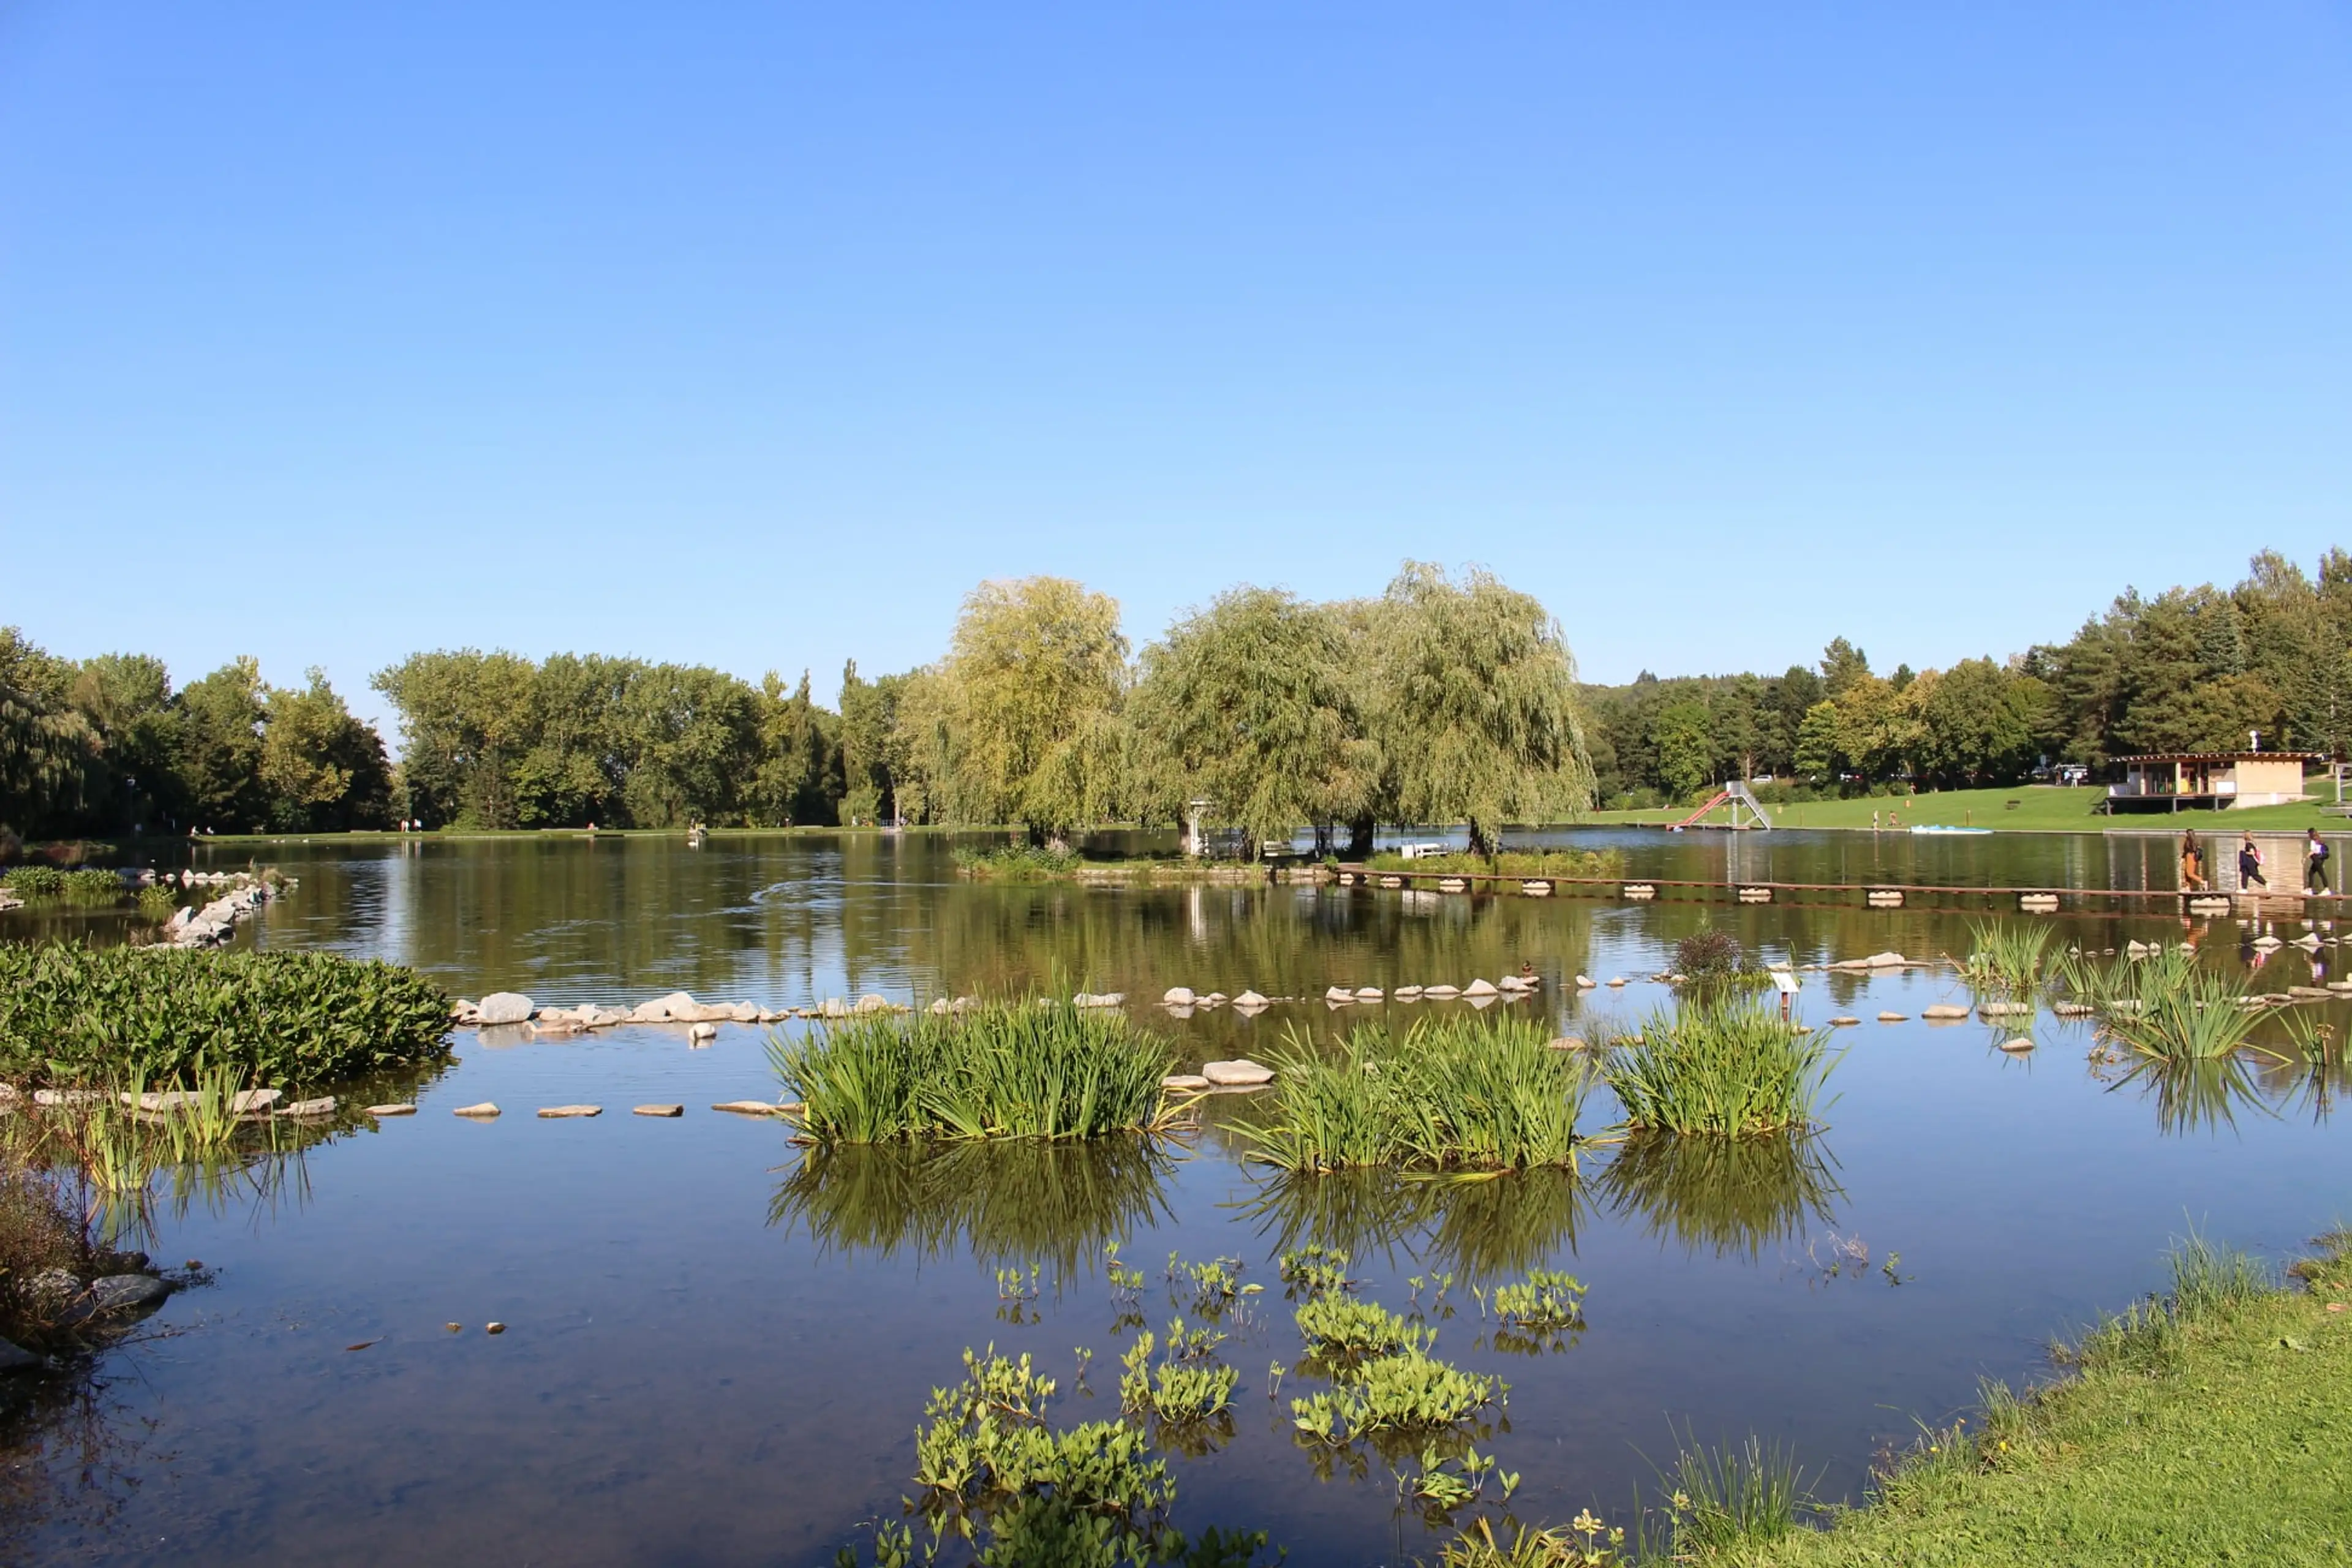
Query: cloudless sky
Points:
[756, 335]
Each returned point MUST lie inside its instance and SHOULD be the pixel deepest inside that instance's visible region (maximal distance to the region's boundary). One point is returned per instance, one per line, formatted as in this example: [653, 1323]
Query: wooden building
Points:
[2169, 780]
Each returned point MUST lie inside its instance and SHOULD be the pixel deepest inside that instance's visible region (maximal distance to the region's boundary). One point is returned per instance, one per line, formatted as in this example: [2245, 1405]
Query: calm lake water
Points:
[719, 1346]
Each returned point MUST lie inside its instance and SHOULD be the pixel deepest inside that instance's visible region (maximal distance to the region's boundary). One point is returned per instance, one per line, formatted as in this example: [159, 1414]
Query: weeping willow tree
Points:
[1474, 701]
[1249, 705]
[1030, 695]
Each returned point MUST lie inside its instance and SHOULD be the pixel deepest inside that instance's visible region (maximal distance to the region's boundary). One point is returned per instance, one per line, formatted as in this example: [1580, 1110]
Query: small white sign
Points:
[1784, 982]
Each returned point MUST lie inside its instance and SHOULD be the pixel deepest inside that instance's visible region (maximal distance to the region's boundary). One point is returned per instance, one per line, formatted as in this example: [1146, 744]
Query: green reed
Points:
[1725, 1066]
[2007, 961]
[2167, 1007]
[1040, 1069]
[1451, 1093]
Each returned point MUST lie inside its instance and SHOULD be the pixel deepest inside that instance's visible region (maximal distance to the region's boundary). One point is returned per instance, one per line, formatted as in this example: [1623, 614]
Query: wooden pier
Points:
[1859, 895]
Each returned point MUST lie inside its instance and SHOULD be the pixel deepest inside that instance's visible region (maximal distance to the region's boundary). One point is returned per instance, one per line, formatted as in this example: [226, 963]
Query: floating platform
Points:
[1860, 895]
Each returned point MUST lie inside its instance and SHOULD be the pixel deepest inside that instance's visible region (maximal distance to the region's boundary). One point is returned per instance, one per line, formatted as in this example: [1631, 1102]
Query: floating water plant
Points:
[1718, 1067]
[1339, 1328]
[1188, 1384]
[75, 1014]
[1450, 1093]
[1545, 1301]
[1043, 1069]
[1315, 1269]
[1409, 1392]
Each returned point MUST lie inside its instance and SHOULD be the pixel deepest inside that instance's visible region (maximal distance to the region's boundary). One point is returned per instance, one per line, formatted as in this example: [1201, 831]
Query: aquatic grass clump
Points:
[1731, 1499]
[73, 1013]
[1451, 1093]
[1187, 1385]
[1409, 1392]
[2165, 1006]
[2006, 962]
[1339, 1328]
[1015, 862]
[1719, 1067]
[2209, 1283]
[1599, 864]
[1041, 1069]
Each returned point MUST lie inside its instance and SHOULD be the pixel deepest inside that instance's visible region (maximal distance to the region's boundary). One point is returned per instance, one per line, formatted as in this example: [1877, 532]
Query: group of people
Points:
[2250, 864]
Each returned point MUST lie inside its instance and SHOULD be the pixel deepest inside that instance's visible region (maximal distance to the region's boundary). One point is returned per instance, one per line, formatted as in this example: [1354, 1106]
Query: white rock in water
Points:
[870, 1003]
[1407, 992]
[2021, 1044]
[485, 1110]
[1249, 1002]
[1338, 996]
[746, 1012]
[1441, 993]
[659, 1110]
[1479, 988]
[323, 1106]
[749, 1107]
[505, 1007]
[247, 1100]
[1239, 1073]
[1368, 993]
[1586, 983]
[1177, 996]
[1943, 1011]
[392, 1110]
[664, 1009]
[701, 1032]
[554, 1112]
[1891, 1017]
[1186, 1080]
[942, 1005]
[1886, 961]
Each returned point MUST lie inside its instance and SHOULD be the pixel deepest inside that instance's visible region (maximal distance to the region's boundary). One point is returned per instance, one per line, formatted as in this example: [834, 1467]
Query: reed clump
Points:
[2007, 961]
[1017, 862]
[1040, 1069]
[1718, 1067]
[2165, 1007]
[74, 1014]
[1591, 863]
[1450, 1093]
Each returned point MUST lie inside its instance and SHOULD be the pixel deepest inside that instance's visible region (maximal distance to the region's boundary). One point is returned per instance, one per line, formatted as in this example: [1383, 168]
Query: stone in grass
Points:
[484, 1110]
[1943, 1012]
[505, 1007]
[1239, 1073]
[1185, 1080]
[119, 1293]
[554, 1111]
[1567, 1043]
[1893, 1017]
[392, 1110]
[750, 1106]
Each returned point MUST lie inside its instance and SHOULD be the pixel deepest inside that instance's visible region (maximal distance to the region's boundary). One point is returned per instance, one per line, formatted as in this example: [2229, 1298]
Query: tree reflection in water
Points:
[1053, 1204]
[1732, 1196]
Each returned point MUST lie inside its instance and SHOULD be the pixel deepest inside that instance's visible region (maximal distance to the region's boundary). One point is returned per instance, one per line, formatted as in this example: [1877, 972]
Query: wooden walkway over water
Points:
[2276, 905]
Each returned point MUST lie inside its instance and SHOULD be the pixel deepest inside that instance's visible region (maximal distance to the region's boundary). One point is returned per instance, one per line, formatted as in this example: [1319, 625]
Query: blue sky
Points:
[756, 335]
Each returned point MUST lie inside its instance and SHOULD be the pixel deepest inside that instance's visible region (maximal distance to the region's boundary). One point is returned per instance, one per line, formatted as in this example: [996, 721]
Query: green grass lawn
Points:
[2033, 807]
[2225, 1436]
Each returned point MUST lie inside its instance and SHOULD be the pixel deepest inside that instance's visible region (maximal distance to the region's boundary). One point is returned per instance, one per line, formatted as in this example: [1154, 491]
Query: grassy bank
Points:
[2032, 808]
[2214, 1425]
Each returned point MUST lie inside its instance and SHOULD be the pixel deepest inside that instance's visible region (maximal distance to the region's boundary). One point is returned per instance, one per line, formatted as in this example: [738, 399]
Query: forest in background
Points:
[1446, 699]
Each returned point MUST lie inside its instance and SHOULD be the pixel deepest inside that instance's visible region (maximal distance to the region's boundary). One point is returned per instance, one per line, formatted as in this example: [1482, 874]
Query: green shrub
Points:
[1015, 862]
[1038, 1070]
[1451, 1093]
[95, 887]
[1606, 864]
[1729, 1067]
[36, 882]
[74, 1014]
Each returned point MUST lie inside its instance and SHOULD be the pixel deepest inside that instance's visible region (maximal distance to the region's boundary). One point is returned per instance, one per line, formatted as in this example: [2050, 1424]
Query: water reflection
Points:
[1055, 1205]
[1733, 1196]
[1481, 1228]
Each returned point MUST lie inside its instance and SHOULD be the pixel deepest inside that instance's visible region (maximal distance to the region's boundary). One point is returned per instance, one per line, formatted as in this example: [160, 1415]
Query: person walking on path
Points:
[2314, 865]
[2192, 864]
[2250, 864]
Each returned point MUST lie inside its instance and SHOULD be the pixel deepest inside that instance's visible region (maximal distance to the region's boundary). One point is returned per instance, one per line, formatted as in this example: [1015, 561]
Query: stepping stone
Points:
[1586, 983]
[1479, 988]
[658, 1110]
[484, 1110]
[1185, 1080]
[324, 1106]
[1569, 1043]
[1239, 1073]
[1367, 993]
[1617, 982]
[1893, 1017]
[1177, 996]
[1441, 993]
[700, 1033]
[1843, 1023]
[392, 1110]
[1249, 1001]
[1406, 994]
[2073, 1009]
[2017, 1047]
[749, 1107]
[1338, 995]
[554, 1111]
[1944, 1012]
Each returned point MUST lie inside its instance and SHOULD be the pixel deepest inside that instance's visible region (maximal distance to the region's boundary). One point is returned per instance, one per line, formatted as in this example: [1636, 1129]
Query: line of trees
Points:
[1443, 699]
[106, 745]
[2188, 669]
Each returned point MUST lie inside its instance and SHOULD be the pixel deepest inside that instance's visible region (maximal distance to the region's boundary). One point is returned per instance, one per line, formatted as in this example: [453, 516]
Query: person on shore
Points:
[2314, 865]
[2250, 864]
[2193, 863]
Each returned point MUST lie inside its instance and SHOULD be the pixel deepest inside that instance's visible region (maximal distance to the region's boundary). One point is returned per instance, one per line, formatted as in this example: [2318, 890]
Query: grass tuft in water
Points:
[2007, 961]
[1041, 1069]
[1451, 1093]
[1726, 1067]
